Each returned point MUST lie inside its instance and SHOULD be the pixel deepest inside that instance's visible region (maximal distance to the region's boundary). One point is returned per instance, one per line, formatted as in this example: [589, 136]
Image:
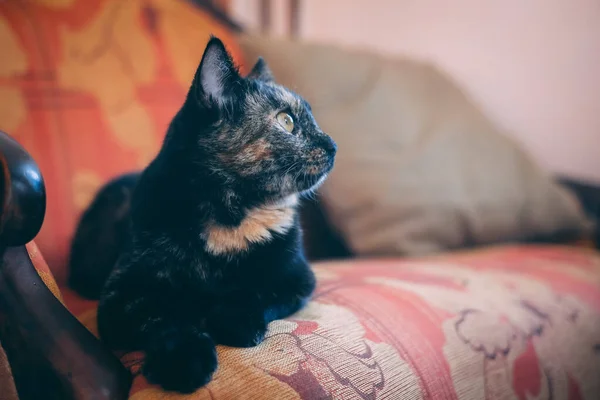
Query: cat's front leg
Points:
[241, 319]
[141, 313]
[288, 292]
[237, 322]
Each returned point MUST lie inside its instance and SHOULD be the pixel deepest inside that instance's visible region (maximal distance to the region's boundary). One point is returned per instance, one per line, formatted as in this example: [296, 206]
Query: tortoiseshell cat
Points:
[205, 242]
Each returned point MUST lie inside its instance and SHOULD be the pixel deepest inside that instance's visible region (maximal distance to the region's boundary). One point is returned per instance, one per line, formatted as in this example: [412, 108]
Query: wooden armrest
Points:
[52, 356]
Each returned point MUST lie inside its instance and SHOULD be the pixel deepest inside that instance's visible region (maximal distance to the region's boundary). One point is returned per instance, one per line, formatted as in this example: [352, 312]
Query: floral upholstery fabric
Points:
[88, 87]
[518, 322]
[41, 267]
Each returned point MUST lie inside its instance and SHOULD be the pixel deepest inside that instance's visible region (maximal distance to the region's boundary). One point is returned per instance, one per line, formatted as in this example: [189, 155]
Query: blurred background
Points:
[532, 65]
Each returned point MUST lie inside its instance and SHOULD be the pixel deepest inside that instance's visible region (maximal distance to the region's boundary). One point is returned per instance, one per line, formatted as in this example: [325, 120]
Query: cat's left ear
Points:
[217, 77]
[261, 71]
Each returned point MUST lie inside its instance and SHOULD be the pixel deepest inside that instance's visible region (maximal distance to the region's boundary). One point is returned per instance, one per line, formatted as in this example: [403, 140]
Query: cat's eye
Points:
[286, 121]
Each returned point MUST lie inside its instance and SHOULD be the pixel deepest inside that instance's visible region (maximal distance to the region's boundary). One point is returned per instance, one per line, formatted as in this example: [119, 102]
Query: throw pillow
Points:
[419, 169]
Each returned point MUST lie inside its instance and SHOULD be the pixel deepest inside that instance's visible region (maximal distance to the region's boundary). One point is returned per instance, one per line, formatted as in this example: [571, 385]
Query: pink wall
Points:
[534, 65]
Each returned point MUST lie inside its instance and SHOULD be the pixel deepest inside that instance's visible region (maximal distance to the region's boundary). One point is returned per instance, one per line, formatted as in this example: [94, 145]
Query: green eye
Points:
[286, 121]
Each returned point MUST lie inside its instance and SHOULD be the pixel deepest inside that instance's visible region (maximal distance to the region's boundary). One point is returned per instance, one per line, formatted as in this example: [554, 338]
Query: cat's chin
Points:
[319, 182]
[312, 189]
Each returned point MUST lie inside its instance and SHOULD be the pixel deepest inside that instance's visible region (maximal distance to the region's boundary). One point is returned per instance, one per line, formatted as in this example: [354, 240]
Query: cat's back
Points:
[102, 233]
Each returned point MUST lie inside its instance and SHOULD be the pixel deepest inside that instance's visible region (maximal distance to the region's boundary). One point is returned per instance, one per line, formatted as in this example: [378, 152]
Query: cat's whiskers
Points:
[291, 167]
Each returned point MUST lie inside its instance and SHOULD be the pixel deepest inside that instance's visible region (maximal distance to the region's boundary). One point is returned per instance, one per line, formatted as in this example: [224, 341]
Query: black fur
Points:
[184, 280]
[104, 225]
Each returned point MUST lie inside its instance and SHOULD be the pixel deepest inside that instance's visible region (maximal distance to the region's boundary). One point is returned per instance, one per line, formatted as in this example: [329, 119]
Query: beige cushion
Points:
[419, 168]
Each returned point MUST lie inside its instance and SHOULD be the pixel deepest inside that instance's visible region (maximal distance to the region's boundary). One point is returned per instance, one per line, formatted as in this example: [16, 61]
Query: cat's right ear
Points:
[261, 71]
[217, 77]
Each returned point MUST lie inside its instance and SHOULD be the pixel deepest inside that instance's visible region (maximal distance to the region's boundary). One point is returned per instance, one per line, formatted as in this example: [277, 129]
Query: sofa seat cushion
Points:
[513, 322]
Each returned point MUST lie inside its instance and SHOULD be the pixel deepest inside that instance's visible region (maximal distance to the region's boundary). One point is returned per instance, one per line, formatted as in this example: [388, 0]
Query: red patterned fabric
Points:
[503, 323]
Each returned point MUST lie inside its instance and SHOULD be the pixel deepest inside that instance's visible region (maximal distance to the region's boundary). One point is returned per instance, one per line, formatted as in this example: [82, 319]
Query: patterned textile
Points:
[88, 88]
[514, 322]
[41, 267]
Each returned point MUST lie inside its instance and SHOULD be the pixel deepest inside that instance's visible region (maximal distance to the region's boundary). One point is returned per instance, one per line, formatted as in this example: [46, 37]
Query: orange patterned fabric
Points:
[88, 88]
[42, 269]
[502, 323]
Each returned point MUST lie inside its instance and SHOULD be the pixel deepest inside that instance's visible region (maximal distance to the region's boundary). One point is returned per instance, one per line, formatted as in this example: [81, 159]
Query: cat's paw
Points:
[180, 362]
[285, 308]
[237, 327]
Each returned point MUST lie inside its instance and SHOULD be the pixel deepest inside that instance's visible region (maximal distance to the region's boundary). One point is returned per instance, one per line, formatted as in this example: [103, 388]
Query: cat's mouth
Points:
[319, 161]
[314, 173]
[319, 169]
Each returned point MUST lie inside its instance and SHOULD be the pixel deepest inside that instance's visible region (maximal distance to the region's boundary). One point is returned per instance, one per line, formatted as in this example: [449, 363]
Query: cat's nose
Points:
[329, 146]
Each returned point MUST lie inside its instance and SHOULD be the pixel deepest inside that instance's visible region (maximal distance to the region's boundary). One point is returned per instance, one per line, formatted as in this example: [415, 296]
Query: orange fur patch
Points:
[256, 151]
[247, 159]
[257, 227]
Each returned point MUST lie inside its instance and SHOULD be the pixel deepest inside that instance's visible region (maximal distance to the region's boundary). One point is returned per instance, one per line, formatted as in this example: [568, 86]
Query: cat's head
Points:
[255, 133]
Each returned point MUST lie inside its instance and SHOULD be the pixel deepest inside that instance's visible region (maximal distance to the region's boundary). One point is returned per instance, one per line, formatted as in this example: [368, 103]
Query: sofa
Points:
[449, 264]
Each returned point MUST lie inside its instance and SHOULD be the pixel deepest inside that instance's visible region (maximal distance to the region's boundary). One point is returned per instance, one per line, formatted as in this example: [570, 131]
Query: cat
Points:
[204, 246]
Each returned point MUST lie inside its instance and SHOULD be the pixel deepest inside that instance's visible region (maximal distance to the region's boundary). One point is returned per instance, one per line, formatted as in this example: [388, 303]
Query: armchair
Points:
[457, 311]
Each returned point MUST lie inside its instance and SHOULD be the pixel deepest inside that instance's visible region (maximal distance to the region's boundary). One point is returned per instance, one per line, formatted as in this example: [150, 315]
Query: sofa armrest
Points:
[52, 356]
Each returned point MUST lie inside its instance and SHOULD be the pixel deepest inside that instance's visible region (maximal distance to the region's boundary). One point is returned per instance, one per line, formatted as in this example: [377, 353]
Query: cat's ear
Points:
[217, 77]
[261, 71]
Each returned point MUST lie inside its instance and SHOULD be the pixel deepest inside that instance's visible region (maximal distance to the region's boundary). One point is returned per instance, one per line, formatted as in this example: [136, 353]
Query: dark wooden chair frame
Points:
[51, 354]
